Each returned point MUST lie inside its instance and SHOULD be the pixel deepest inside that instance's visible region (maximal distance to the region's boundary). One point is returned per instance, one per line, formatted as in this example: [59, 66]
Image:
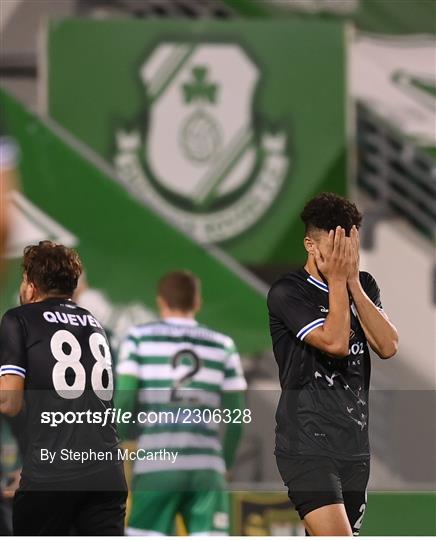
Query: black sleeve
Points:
[292, 306]
[371, 288]
[13, 357]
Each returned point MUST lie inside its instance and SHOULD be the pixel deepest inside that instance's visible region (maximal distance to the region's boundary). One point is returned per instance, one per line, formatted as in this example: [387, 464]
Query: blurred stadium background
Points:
[159, 134]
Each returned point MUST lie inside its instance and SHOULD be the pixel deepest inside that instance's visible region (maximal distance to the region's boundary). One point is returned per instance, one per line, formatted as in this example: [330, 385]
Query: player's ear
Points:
[160, 302]
[32, 291]
[309, 245]
[198, 303]
[36, 293]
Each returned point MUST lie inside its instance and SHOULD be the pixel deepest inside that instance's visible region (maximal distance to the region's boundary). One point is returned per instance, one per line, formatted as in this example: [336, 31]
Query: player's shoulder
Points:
[214, 336]
[19, 312]
[145, 329]
[161, 329]
[364, 275]
[292, 282]
[18, 319]
[13, 312]
[366, 279]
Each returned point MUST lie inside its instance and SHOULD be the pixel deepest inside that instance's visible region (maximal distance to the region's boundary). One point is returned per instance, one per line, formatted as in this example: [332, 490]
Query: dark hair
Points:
[328, 210]
[179, 289]
[53, 268]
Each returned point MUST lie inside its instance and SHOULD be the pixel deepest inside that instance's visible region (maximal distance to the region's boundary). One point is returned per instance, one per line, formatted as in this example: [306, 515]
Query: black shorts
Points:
[62, 513]
[5, 529]
[314, 482]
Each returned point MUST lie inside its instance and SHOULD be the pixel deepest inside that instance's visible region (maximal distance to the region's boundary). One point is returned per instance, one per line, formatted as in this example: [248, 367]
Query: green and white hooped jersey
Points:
[182, 368]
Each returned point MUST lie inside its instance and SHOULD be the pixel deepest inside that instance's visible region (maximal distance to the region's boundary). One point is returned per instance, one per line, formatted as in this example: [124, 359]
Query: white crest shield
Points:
[199, 144]
[200, 162]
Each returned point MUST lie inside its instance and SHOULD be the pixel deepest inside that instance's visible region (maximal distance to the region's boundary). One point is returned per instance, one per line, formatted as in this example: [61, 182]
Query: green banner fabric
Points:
[392, 55]
[395, 77]
[225, 128]
[388, 514]
[378, 16]
[125, 246]
[397, 16]
[397, 514]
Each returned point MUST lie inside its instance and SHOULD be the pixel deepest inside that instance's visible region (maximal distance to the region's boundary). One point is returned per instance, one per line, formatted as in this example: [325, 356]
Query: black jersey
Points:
[62, 352]
[323, 408]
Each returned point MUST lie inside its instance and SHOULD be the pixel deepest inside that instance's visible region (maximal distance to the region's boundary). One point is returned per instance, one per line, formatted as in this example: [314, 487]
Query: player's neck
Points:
[311, 267]
[44, 297]
[175, 314]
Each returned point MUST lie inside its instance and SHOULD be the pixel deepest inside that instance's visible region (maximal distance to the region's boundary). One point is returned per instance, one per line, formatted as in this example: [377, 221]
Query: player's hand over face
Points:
[355, 255]
[335, 265]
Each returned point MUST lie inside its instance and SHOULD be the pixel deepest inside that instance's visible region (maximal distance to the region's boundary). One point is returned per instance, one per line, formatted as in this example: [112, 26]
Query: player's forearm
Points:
[379, 331]
[336, 329]
[11, 395]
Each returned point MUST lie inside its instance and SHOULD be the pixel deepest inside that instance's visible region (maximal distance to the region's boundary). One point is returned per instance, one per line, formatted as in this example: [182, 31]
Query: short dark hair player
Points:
[322, 318]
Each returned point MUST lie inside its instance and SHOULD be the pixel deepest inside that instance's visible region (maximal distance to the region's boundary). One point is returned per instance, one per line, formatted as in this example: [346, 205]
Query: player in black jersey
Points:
[322, 318]
[55, 362]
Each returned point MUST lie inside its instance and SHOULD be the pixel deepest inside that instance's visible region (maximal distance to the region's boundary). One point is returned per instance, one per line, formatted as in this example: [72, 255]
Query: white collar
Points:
[180, 320]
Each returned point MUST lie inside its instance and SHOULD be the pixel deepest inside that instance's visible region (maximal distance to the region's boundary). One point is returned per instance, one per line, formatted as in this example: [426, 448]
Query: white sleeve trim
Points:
[10, 369]
[309, 327]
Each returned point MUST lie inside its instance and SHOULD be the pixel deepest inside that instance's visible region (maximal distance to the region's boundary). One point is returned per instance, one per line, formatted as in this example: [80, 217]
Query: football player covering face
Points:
[322, 319]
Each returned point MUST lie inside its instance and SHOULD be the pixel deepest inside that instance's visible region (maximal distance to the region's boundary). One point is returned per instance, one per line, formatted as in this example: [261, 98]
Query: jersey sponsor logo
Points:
[200, 160]
[357, 349]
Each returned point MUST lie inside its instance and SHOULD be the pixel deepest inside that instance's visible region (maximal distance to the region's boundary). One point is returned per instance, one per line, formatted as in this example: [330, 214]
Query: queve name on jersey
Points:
[73, 319]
